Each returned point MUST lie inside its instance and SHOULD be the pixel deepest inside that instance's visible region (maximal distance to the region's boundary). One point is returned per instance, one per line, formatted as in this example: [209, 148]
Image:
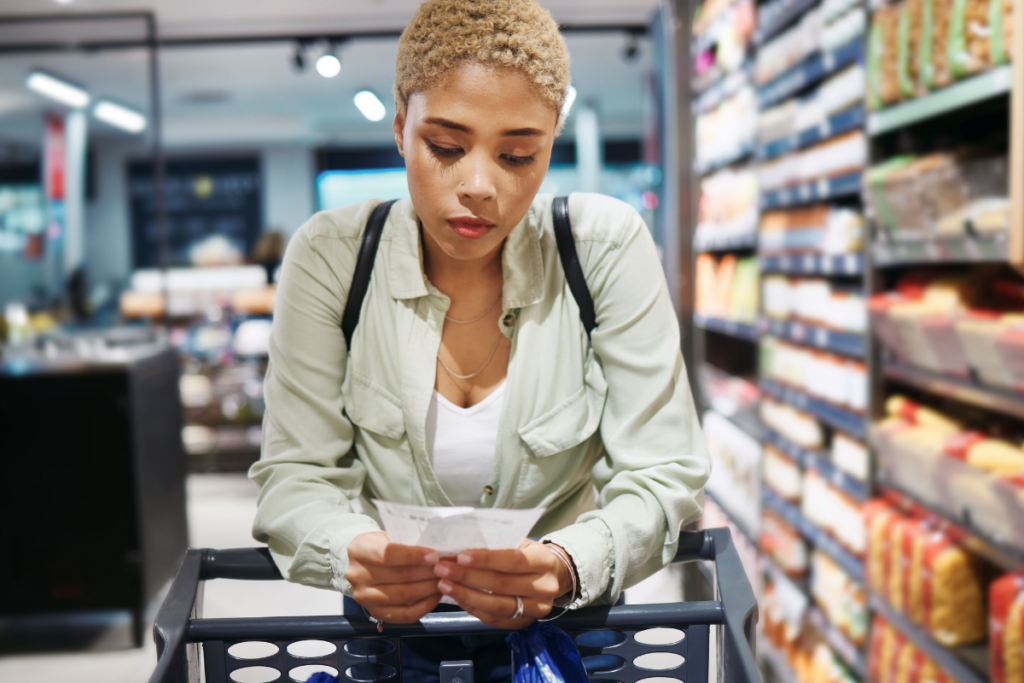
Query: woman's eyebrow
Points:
[521, 132]
[452, 125]
[445, 123]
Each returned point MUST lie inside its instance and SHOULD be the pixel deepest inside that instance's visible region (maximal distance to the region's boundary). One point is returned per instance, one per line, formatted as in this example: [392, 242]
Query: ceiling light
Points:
[57, 89]
[117, 115]
[570, 97]
[370, 105]
[328, 65]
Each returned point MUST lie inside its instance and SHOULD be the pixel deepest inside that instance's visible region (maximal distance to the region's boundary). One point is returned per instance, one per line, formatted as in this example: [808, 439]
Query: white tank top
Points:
[461, 443]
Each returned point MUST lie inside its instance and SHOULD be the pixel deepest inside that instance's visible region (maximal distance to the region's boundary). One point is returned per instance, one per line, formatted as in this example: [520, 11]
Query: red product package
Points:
[1006, 624]
[879, 517]
[879, 629]
[958, 445]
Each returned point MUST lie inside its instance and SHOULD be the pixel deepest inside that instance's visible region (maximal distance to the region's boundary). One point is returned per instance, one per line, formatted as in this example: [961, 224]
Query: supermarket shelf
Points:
[722, 89]
[814, 460]
[813, 69]
[845, 343]
[709, 36]
[778, 574]
[740, 524]
[838, 418]
[954, 249]
[790, 10]
[967, 391]
[821, 540]
[812, 264]
[837, 124]
[742, 241]
[837, 640]
[727, 327]
[716, 164]
[746, 420]
[964, 664]
[976, 89]
[810, 192]
[776, 660]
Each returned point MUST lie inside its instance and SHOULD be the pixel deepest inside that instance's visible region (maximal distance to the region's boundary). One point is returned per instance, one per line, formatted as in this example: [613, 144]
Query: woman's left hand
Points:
[532, 572]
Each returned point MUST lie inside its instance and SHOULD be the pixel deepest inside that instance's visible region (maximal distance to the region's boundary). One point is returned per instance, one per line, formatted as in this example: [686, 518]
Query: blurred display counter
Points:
[92, 474]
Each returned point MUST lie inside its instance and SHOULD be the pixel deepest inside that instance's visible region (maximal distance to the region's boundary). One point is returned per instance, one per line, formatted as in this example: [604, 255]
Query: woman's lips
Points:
[470, 227]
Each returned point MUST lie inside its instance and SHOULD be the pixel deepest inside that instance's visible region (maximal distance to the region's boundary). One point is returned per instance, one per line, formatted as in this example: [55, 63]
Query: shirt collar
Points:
[522, 264]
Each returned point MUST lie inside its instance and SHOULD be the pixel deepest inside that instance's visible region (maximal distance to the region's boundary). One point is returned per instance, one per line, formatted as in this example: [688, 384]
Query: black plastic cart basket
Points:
[362, 655]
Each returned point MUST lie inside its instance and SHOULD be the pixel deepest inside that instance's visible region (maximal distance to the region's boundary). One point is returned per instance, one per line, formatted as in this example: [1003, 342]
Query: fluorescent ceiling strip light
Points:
[57, 89]
[370, 105]
[121, 117]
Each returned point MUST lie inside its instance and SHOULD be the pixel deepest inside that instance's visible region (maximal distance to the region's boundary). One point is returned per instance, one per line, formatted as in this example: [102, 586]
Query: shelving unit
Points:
[991, 398]
[837, 124]
[955, 249]
[812, 264]
[813, 69]
[840, 644]
[819, 462]
[732, 243]
[843, 343]
[838, 418]
[819, 190]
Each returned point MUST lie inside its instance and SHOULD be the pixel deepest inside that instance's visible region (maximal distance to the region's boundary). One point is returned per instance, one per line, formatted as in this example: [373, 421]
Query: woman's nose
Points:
[477, 182]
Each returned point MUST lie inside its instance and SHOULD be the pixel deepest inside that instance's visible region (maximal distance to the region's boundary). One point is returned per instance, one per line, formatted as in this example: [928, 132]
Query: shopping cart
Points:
[362, 655]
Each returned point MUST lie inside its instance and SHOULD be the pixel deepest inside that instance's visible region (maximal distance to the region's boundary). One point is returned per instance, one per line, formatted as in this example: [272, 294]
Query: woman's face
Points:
[476, 148]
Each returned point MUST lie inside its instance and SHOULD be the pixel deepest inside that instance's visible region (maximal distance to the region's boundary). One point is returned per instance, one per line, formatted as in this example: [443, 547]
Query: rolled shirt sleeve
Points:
[650, 478]
[308, 473]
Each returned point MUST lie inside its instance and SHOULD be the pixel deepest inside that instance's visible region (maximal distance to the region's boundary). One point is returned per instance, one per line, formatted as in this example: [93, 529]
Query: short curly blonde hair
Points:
[505, 33]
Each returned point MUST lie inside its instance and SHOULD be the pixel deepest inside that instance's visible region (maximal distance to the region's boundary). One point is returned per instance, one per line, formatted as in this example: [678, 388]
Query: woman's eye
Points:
[518, 161]
[444, 151]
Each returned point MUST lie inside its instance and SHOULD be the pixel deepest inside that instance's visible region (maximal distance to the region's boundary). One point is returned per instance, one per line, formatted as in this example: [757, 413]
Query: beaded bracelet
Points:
[564, 557]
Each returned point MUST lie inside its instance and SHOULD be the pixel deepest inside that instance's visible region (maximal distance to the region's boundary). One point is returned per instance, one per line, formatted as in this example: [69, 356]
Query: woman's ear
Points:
[398, 125]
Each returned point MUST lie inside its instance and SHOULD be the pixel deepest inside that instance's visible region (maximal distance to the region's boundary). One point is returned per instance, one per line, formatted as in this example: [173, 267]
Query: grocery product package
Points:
[976, 36]
[909, 33]
[1006, 629]
[882, 58]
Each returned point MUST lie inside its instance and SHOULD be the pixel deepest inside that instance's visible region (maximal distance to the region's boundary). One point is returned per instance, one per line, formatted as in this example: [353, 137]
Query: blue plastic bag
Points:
[544, 653]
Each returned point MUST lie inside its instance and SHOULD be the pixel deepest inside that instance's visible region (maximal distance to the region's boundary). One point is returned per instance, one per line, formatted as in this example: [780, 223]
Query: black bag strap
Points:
[371, 240]
[364, 268]
[571, 263]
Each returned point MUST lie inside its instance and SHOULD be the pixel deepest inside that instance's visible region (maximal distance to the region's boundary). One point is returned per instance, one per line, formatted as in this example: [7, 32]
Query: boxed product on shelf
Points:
[728, 205]
[839, 597]
[727, 131]
[937, 583]
[783, 544]
[815, 301]
[838, 380]
[833, 511]
[727, 288]
[816, 229]
[782, 474]
[892, 658]
[735, 480]
[795, 425]
[819, 29]
[850, 456]
[911, 20]
[846, 153]
[1006, 629]
[939, 194]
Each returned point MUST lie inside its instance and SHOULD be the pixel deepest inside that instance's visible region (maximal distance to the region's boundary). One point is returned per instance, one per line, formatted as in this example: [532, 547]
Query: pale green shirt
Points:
[601, 432]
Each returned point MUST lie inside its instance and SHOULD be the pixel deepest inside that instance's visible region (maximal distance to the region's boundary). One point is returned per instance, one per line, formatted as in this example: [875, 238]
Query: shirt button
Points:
[509, 320]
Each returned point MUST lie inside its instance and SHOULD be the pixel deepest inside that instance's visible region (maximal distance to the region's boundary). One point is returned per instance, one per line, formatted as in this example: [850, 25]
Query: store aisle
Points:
[220, 513]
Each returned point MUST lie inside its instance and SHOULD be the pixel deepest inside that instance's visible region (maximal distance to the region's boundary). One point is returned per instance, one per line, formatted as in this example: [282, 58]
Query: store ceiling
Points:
[252, 94]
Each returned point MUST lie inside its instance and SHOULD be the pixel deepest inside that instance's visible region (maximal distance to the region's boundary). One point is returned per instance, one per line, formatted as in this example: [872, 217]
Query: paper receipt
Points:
[450, 530]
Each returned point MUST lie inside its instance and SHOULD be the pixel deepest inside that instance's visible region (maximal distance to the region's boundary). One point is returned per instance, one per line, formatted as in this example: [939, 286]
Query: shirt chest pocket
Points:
[570, 422]
[371, 407]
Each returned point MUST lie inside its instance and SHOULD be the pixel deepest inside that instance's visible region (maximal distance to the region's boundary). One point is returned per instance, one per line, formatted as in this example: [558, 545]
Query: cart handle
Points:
[737, 612]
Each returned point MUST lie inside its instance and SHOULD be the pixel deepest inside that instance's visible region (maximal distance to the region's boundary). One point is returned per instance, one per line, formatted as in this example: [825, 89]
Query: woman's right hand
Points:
[394, 583]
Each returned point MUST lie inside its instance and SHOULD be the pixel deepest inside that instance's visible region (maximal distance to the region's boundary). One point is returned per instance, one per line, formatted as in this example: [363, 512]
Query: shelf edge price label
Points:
[823, 188]
[821, 337]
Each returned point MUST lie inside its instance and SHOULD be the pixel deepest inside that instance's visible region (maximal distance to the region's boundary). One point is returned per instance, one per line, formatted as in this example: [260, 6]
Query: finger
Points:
[402, 594]
[540, 585]
[519, 561]
[396, 555]
[375, 575]
[498, 606]
[408, 614]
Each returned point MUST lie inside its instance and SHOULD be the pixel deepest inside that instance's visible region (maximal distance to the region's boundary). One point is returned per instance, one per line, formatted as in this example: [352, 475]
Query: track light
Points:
[299, 58]
[632, 49]
[119, 116]
[57, 89]
[370, 105]
[570, 97]
[328, 66]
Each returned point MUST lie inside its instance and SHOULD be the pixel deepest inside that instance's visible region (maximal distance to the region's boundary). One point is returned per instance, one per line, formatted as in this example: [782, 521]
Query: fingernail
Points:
[442, 570]
[445, 587]
[465, 560]
[431, 558]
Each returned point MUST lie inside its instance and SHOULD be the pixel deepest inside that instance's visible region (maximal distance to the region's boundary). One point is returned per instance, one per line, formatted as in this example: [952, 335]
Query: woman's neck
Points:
[451, 275]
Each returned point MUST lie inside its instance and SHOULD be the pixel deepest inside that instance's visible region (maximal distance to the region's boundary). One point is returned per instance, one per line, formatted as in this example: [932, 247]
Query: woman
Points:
[470, 379]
